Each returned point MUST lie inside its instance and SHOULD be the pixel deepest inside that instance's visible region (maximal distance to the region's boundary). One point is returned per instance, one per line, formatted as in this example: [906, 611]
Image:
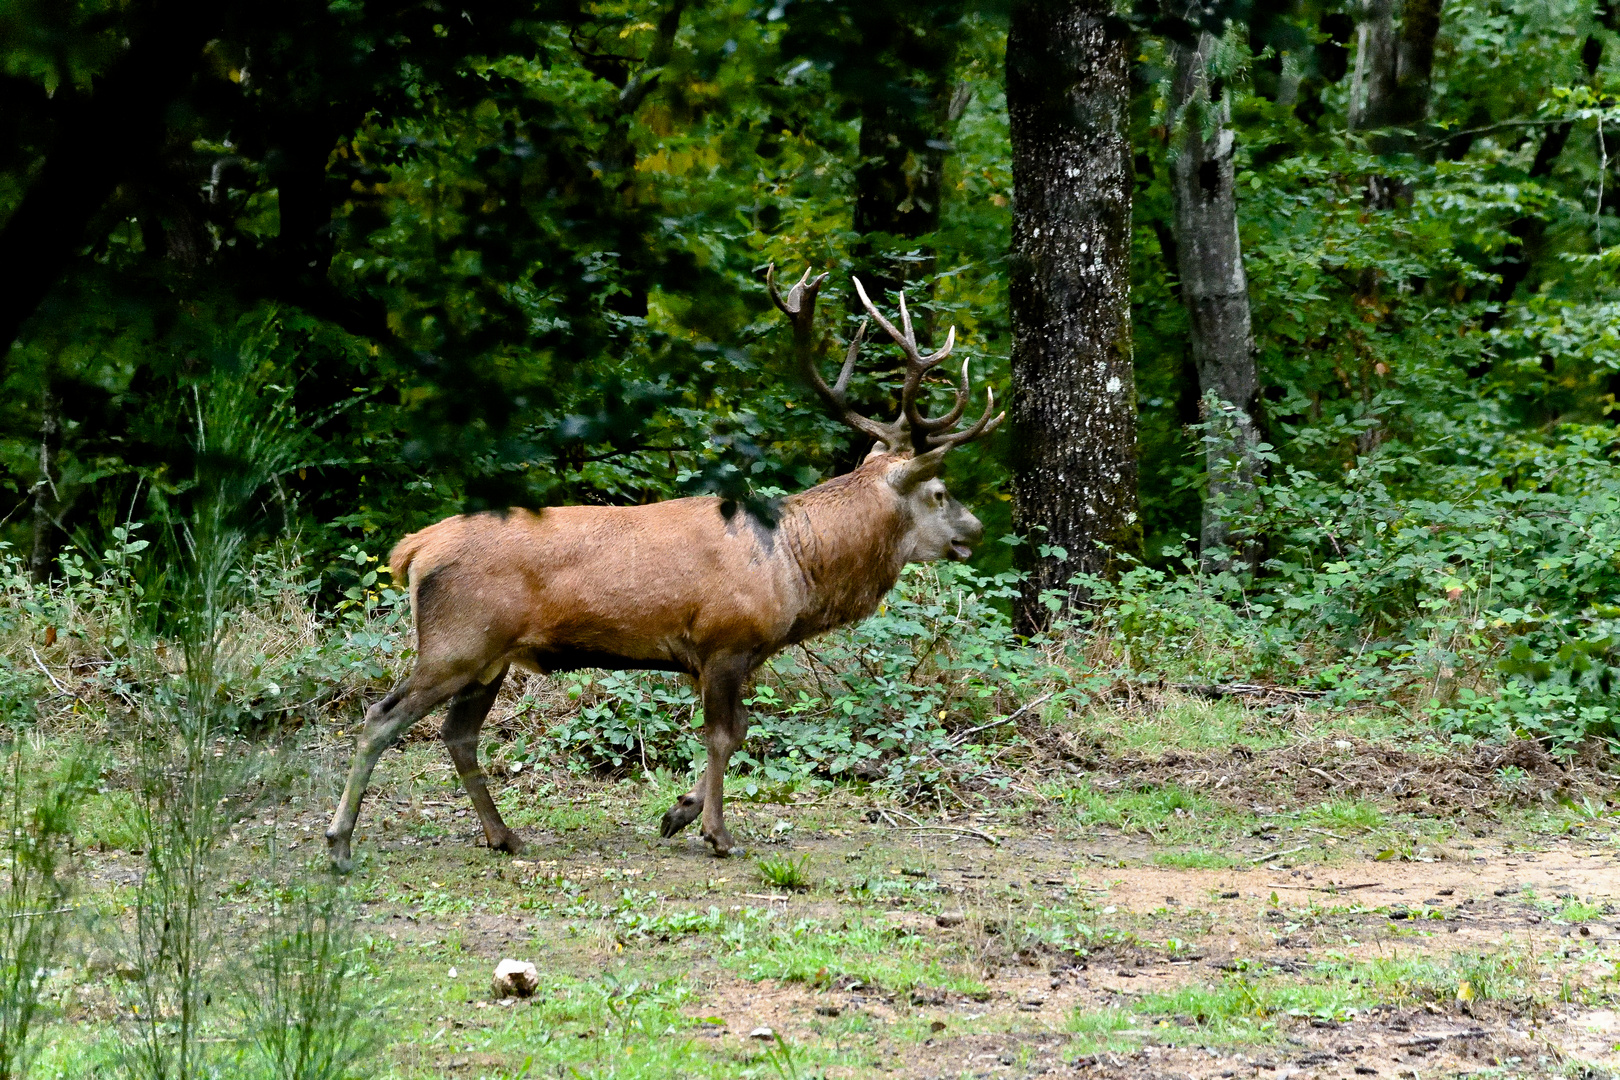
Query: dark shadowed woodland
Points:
[1269, 730]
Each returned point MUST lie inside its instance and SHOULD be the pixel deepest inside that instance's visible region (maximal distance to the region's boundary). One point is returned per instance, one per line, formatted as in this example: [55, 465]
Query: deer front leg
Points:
[725, 725]
[460, 736]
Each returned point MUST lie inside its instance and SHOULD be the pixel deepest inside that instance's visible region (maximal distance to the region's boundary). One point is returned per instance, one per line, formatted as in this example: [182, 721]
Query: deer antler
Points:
[922, 433]
[926, 431]
[800, 307]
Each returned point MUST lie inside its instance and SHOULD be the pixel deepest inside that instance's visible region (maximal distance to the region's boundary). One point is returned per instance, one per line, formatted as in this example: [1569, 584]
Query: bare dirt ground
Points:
[1426, 927]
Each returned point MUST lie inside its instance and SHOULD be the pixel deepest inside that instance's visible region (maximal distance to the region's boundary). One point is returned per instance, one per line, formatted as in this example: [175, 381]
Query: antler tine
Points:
[905, 324]
[849, 358]
[877, 316]
[929, 425]
[799, 306]
[793, 305]
[983, 426]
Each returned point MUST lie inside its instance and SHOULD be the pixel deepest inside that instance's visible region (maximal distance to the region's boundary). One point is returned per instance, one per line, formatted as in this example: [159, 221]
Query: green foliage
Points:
[39, 802]
[1470, 582]
[305, 999]
[879, 701]
[882, 699]
[626, 718]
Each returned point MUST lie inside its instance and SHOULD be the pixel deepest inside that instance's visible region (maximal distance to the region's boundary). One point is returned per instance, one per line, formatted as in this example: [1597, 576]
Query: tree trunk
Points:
[47, 497]
[1372, 89]
[1074, 393]
[1393, 69]
[1216, 293]
[1414, 60]
[898, 183]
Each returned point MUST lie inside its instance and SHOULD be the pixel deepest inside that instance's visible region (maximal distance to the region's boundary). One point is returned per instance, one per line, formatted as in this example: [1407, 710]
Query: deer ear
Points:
[904, 476]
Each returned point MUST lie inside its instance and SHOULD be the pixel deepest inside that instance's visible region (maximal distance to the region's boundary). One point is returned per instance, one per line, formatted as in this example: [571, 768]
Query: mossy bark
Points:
[1074, 392]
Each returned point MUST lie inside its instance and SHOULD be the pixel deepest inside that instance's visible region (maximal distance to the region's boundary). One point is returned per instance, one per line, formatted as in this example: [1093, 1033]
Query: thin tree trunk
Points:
[1394, 65]
[47, 497]
[1216, 293]
[1414, 60]
[1074, 392]
[899, 181]
[1372, 88]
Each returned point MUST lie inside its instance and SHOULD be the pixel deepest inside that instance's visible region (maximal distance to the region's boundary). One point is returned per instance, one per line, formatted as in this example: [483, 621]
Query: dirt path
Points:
[1059, 950]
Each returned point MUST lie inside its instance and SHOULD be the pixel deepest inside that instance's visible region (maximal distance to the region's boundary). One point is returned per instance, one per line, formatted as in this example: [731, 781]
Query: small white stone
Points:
[762, 1032]
[515, 978]
[454, 973]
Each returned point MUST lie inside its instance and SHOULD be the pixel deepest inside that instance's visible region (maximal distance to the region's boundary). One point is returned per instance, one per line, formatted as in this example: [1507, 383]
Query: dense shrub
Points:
[1488, 604]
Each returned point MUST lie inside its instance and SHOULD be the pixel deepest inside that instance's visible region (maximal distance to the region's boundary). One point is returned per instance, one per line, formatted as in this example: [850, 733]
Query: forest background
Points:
[362, 265]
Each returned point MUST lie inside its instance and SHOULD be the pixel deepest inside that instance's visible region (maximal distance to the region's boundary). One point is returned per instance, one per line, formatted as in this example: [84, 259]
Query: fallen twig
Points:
[975, 833]
[1331, 888]
[959, 738]
[60, 689]
[918, 826]
[1279, 854]
[37, 914]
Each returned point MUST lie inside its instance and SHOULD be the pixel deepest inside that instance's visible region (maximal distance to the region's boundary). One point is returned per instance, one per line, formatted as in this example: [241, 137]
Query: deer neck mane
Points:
[845, 538]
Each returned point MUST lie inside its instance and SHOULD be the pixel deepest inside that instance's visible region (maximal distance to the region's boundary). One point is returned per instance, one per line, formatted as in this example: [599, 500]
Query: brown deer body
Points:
[672, 586]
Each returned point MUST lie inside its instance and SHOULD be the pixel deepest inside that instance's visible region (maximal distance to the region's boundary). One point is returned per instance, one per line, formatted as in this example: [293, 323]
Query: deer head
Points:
[941, 526]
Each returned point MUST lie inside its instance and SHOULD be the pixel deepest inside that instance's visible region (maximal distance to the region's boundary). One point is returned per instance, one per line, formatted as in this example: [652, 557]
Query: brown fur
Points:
[665, 585]
[675, 586]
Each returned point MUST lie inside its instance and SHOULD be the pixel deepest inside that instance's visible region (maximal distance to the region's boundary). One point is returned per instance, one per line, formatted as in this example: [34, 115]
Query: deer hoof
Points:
[722, 844]
[683, 813]
[511, 843]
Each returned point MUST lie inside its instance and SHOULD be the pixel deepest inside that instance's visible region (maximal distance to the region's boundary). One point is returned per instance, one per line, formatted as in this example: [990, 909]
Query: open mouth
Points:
[960, 551]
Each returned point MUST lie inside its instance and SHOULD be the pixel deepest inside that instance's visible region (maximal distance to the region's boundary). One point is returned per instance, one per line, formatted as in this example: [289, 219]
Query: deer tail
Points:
[399, 560]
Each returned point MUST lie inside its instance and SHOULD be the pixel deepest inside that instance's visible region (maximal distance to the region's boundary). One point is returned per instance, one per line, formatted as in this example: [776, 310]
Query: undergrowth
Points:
[1488, 616]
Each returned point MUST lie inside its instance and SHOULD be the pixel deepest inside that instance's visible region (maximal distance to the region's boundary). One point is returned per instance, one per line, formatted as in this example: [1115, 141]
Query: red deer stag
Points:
[671, 586]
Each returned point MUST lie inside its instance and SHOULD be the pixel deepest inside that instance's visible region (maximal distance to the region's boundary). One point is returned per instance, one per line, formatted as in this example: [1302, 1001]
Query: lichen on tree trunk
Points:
[1074, 393]
[1215, 290]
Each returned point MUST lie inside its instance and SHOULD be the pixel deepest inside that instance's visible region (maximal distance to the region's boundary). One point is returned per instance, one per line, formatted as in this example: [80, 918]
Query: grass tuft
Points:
[784, 873]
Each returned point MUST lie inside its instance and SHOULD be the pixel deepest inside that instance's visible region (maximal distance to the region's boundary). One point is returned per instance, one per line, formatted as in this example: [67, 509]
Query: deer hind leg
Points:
[385, 722]
[725, 725]
[460, 735]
